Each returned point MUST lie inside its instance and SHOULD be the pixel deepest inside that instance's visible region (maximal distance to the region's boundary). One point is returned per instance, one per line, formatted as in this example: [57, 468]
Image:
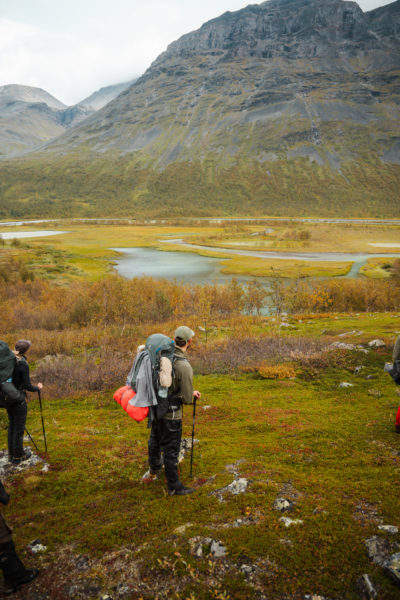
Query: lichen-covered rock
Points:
[376, 343]
[282, 504]
[389, 529]
[288, 522]
[378, 549]
[392, 567]
[366, 588]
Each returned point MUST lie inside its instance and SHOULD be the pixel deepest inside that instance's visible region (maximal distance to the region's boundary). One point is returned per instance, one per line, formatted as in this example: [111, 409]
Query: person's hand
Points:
[40, 386]
[196, 394]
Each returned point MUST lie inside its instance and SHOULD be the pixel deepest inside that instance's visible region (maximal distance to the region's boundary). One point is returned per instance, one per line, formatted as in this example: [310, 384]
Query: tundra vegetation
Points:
[273, 414]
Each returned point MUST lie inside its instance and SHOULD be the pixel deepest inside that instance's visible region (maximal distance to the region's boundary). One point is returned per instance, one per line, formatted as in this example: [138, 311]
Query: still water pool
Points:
[183, 267]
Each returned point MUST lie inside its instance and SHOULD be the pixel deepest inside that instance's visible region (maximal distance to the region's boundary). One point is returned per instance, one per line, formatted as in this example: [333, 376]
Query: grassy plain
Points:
[85, 250]
[331, 451]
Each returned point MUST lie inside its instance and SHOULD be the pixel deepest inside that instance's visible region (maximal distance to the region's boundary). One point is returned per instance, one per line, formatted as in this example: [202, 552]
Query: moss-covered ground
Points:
[331, 451]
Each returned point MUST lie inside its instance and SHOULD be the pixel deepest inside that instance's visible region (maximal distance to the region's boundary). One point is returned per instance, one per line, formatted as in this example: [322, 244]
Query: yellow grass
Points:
[88, 245]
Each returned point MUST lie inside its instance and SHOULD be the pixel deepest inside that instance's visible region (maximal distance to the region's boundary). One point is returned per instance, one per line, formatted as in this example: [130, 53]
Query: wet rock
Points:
[282, 504]
[392, 567]
[358, 370]
[389, 529]
[288, 522]
[206, 407]
[376, 343]
[346, 384]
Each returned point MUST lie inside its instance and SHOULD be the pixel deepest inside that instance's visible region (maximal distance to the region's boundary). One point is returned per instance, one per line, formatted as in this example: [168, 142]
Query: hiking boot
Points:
[24, 456]
[149, 477]
[12, 585]
[397, 428]
[182, 491]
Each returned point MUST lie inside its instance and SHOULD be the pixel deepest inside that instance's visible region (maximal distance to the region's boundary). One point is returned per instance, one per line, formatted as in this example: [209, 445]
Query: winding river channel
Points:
[192, 268]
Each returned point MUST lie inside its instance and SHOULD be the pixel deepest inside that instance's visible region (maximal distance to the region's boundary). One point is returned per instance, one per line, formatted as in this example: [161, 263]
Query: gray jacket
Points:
[145, 395]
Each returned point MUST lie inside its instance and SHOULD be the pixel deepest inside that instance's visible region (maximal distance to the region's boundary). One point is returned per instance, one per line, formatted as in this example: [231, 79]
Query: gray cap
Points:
[184, 333]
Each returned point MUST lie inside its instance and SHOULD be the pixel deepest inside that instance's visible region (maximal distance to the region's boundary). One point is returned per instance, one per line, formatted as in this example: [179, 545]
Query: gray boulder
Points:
[392, 567]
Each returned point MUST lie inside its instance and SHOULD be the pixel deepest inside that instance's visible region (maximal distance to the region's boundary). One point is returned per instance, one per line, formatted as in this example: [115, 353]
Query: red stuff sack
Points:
[122, 396]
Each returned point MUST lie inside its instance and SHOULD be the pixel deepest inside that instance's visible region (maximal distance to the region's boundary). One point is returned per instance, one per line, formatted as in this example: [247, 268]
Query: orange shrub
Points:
[281, 371]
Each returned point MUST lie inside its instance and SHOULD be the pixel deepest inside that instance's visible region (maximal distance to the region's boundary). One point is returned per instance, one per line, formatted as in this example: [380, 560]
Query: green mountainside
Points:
[286, 107]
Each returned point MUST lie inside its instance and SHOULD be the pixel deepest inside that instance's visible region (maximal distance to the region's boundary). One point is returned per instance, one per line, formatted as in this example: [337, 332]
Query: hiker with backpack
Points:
[166, 429]
[17, 412]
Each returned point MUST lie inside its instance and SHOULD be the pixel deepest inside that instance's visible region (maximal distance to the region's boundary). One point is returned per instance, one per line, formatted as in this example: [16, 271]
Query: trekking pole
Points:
[191, 450]
[32, 440]
[41, 413]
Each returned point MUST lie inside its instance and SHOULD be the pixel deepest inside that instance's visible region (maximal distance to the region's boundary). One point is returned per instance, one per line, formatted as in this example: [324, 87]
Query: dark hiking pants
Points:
[16, 427]
[165, 439]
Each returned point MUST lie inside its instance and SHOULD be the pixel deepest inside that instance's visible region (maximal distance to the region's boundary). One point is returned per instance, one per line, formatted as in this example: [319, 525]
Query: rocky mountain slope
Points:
[104, 95]
[284, 105]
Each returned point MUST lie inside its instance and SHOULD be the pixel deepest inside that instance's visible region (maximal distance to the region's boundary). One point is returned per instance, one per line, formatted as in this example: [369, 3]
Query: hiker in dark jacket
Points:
[17, 412]
[14, 572]
[396, 357]
[166, 433]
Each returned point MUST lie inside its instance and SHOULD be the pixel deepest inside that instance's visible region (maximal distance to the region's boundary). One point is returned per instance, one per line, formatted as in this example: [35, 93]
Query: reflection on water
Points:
[28, 234]
[189, 267]
[180, 266]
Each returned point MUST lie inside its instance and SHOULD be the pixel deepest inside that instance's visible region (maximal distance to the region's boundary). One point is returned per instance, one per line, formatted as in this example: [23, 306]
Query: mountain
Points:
[30, 117]
[285, 107]
[104, 95]
[30, 95]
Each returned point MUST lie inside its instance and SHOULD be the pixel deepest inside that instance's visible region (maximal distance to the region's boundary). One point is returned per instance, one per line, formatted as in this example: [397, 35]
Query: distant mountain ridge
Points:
[288, 105]
[104, 95]
[30, 116]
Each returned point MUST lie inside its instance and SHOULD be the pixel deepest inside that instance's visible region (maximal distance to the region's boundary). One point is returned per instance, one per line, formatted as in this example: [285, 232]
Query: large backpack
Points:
[9, 394]
[158, 349]
[148, 382]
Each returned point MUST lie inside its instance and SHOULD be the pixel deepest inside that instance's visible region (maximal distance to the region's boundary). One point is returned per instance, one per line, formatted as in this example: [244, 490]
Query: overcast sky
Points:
[71, 48]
